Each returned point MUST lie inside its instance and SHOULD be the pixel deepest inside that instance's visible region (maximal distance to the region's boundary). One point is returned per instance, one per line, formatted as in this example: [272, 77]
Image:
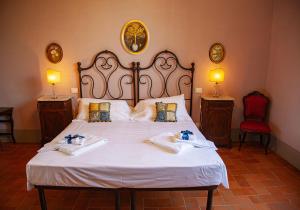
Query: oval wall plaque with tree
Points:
[134, 36]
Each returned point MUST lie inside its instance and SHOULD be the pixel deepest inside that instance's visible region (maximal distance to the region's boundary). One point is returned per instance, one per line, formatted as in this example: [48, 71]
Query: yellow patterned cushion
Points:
[99, 112]
[166, 112]
[105, 107]
[171, 107]
[94, 107]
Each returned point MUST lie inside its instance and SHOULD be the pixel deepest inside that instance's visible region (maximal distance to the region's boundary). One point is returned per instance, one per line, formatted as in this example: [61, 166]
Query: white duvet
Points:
[126, 161]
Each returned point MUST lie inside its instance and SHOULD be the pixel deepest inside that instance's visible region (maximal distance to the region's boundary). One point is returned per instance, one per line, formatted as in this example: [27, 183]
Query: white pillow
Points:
[145, 110]
[119, 109]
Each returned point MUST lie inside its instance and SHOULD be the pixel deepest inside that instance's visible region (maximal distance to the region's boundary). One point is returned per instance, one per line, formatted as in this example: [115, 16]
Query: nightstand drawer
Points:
[56, 105]
[219, 104]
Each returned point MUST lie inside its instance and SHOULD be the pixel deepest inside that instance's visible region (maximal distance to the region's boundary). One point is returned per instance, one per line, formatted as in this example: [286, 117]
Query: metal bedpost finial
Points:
[133, 65]
[193, 65]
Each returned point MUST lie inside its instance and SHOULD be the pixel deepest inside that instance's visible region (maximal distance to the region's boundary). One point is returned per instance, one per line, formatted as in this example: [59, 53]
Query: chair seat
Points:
[254, 126]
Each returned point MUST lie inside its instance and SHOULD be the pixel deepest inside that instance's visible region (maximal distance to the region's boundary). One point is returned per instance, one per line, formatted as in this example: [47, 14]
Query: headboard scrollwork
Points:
[107, 78]
[165, 76]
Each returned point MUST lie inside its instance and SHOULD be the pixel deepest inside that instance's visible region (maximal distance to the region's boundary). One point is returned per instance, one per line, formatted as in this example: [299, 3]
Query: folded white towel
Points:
[90, 142]
[194, 141]
[77, 141]
[73, 149]
[166, 141]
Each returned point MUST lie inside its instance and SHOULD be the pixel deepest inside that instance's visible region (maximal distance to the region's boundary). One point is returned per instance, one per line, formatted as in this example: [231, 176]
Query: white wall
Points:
[283, 79]
[83, 28]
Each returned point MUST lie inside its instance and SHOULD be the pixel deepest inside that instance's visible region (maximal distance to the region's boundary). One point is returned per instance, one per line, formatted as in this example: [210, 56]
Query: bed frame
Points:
[107, 73]
[134, 83]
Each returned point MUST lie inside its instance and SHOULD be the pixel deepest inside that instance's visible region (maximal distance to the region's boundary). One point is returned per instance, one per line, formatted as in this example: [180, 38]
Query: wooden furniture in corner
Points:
[55, 115]
[6, 116]
[256, 108]
[216, 114]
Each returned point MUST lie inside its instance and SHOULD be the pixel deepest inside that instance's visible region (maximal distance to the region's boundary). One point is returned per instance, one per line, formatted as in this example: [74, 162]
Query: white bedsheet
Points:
[126, 161]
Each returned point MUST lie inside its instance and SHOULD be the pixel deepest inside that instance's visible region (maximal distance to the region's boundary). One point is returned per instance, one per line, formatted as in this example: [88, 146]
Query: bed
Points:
[114, 166]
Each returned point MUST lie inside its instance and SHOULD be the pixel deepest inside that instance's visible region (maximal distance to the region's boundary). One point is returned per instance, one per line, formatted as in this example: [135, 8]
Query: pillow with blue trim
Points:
[166, 112]
[99, 112]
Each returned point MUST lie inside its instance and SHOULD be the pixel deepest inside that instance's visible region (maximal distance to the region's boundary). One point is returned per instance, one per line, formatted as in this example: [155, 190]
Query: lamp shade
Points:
[53, 76]
[216, 75]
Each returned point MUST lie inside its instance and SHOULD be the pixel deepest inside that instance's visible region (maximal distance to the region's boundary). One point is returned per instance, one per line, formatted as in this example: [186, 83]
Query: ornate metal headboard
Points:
[166, 76]
[107, 78]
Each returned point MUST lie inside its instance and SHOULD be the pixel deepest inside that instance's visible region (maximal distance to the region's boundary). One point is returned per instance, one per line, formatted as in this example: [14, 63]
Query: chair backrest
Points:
[256, 106]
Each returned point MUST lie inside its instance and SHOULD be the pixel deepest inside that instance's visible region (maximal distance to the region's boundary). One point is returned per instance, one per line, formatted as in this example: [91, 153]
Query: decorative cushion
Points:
[119, 109]
[99, 112]
[255, 107]
[254, 126]
[166, 112]
[145, 110]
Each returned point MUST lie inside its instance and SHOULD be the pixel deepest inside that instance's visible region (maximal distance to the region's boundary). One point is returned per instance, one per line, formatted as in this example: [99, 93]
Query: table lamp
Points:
[216, 76]
[53, 77]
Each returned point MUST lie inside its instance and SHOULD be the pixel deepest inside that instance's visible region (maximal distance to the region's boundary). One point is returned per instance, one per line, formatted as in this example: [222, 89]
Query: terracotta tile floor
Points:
[256, 182]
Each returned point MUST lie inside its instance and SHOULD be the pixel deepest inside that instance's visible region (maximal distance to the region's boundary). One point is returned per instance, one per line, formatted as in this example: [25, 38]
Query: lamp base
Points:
[216, 92]
[216, 96]
[54, 96]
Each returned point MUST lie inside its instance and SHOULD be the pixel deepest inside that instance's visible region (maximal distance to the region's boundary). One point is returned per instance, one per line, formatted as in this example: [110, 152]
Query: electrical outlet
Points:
[198, 90]
[74, 90]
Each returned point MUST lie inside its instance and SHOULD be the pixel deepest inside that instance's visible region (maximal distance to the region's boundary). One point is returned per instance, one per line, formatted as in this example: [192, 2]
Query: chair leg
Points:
[261, 139]
[242, 139]
[267, 144]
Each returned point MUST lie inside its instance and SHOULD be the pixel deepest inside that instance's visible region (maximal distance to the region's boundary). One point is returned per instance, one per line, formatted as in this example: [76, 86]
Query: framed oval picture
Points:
[217, 53]
[134, 36]
[54, 52]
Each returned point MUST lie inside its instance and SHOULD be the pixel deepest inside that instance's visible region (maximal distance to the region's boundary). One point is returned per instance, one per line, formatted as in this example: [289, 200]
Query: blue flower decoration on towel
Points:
[70, 137]
[185, 135]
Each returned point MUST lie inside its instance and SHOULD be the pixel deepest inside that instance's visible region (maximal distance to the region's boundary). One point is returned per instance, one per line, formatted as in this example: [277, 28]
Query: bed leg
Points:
[132, 200]
[209, 199]
[117, 200]
[42, 198]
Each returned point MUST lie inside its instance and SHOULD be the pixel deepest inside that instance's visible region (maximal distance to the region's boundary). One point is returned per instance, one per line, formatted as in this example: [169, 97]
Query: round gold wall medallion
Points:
[134, 36]
[217, 53]
[54, 52]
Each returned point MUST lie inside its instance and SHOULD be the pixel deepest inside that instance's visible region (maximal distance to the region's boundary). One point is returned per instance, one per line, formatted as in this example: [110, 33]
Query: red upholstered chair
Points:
[256, 107]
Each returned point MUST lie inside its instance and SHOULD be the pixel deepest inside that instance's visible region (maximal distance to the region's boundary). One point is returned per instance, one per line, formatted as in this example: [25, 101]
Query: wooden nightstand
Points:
[55, 115]
[216, 114]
